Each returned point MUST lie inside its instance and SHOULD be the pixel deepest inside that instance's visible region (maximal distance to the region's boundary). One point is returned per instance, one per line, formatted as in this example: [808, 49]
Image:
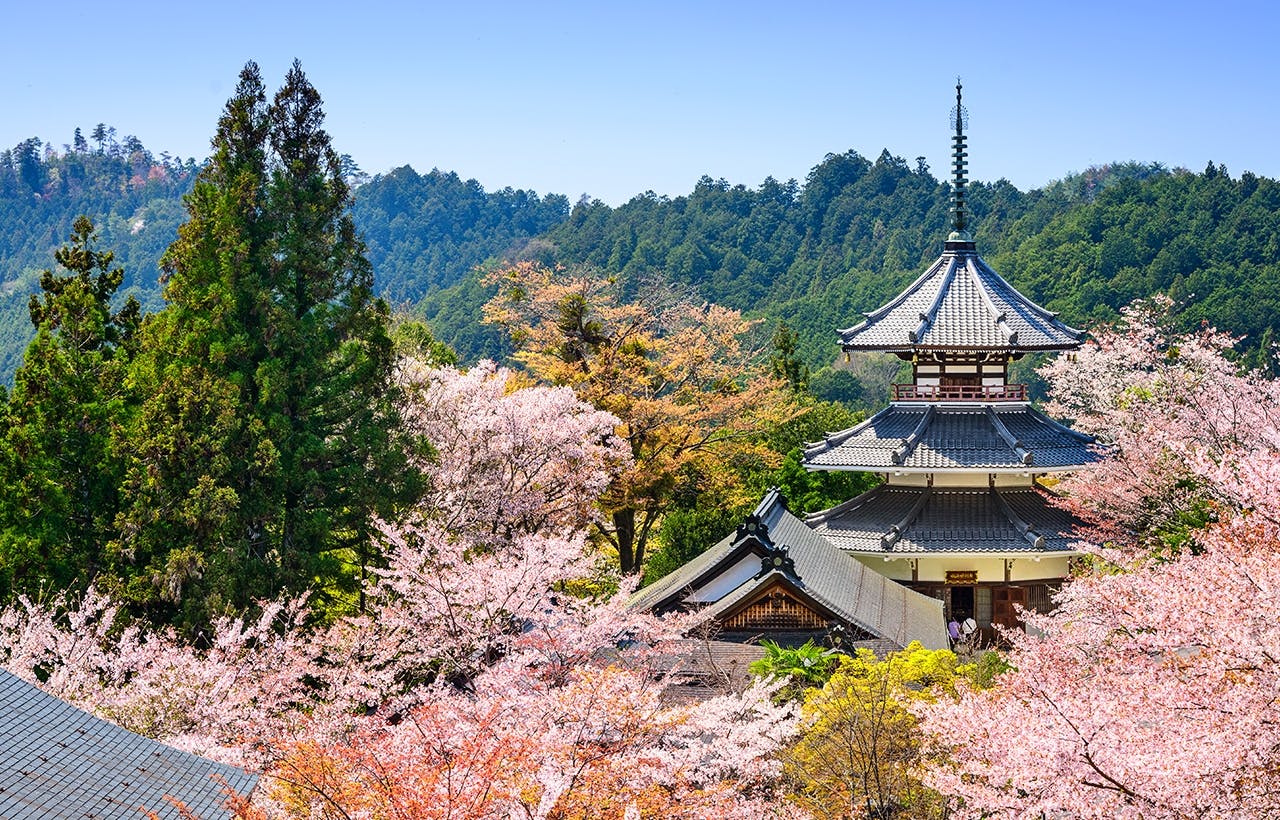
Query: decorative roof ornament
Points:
[959, 216]
[753, 527]
[776, 559]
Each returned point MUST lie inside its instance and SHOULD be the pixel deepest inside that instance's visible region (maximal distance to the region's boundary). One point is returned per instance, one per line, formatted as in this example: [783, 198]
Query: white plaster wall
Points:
[934, 568]
[954, 480]
[1010, 480]
[727, 581]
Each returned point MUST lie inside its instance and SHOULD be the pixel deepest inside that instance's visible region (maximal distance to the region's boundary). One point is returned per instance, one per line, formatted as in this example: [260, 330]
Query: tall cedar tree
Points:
[264, 447]
[56, 459]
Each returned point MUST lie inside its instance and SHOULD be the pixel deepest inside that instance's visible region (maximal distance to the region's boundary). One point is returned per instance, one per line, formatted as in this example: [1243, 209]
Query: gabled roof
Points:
[960, 303]
[914, 437]
[57, 761]
[893, 520]
[791, 553]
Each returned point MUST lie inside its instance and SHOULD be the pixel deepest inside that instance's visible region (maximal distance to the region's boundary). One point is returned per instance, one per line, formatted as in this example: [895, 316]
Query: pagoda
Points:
[962, 514]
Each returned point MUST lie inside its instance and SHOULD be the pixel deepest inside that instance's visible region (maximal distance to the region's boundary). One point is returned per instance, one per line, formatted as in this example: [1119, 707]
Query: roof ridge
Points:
[909, 444]
[1049, 422]
[930, 316]
[897, 300]
[890, 538]
[841, 436]
[844, 506]
[1028, 458]
[997, 316]
[1037, 308]
[1024, 529]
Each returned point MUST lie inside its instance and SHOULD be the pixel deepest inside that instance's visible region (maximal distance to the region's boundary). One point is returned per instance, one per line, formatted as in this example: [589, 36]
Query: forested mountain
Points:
[132, 195]
[424, 231]
[815, 254]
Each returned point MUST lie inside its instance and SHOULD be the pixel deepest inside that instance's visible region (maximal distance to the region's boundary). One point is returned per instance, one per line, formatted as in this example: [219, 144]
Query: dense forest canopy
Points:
[815, 254]
[133, 196]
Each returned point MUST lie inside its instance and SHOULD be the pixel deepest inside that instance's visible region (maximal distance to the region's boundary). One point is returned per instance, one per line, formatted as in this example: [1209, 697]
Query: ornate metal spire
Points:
[959, 215]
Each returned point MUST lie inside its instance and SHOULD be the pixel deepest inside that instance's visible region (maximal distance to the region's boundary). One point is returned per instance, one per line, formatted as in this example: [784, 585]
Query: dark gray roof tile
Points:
[960, 436]
[57, 761]
[961, 303]
[949, 520]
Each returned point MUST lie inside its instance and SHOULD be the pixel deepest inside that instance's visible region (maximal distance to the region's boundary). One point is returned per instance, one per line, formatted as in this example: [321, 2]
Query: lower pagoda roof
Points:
[927, 437]
[910, 521]
[773, 550]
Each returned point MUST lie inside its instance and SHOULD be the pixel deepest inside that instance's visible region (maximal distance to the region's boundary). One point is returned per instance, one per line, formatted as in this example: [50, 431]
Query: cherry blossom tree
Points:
[476, 684]
[509, 458]
[1152, 690]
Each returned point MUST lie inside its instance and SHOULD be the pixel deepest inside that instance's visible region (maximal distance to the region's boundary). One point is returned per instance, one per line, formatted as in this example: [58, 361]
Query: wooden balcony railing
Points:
[959, 392]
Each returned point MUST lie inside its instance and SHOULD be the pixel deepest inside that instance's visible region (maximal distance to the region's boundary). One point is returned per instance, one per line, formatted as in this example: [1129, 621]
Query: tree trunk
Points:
[624, 529]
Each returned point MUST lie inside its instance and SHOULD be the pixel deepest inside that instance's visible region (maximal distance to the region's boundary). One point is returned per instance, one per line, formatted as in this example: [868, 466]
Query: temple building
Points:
[962, 525]
[776, 577]
[961, 515]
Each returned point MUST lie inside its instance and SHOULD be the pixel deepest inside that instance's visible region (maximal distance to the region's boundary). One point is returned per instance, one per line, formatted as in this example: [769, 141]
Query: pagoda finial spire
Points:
[959, 215]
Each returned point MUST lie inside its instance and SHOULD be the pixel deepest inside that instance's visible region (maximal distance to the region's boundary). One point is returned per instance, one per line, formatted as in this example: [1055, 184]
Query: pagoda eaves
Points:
[961, 304]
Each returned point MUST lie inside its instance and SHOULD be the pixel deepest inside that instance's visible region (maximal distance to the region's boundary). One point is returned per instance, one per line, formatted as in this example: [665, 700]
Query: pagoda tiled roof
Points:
[815, 569]
[926, 437]
[893, 520]
[960, 303]
[58, 761]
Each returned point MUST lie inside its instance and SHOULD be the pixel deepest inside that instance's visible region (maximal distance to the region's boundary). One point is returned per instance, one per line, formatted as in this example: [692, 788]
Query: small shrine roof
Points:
[891, 520]
[920, 437]
[810, 565]
[960, 303]
[58, 761]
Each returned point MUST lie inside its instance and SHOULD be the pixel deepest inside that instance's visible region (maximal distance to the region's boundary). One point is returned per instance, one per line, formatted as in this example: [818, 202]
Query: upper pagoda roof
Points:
[57, 761]
[960, 303]
[773, 547]
[916, 437]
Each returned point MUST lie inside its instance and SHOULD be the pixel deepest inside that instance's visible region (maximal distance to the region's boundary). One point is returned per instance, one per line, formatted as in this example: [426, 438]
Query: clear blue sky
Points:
[612, 99]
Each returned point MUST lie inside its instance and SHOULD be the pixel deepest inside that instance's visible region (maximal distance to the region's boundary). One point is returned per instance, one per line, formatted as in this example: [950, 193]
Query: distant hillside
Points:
[424, 231]
[856, 232]
[815, 254]
[133, 197]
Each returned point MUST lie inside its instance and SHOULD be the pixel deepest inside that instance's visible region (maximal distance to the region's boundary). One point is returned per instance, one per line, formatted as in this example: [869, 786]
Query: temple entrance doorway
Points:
[961, 600]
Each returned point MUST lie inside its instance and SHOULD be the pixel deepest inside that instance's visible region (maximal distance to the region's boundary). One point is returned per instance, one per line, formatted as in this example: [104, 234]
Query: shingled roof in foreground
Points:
[960, 303]
[57, 761]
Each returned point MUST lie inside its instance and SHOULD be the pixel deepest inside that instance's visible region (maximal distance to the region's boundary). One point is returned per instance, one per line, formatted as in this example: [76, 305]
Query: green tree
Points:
[859, 751]
[802, 667]
[785, 361]
[265, 444]
[57, 466]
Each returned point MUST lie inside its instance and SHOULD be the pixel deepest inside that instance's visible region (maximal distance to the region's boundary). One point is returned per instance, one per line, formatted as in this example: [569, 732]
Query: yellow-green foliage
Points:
[858, 749]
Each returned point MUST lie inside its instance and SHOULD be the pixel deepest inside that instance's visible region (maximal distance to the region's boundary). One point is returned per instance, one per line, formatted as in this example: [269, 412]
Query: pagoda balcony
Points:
[959, 392]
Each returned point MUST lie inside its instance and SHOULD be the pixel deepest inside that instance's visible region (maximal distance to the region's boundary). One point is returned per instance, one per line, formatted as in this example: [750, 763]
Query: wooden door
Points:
[1002, 601]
